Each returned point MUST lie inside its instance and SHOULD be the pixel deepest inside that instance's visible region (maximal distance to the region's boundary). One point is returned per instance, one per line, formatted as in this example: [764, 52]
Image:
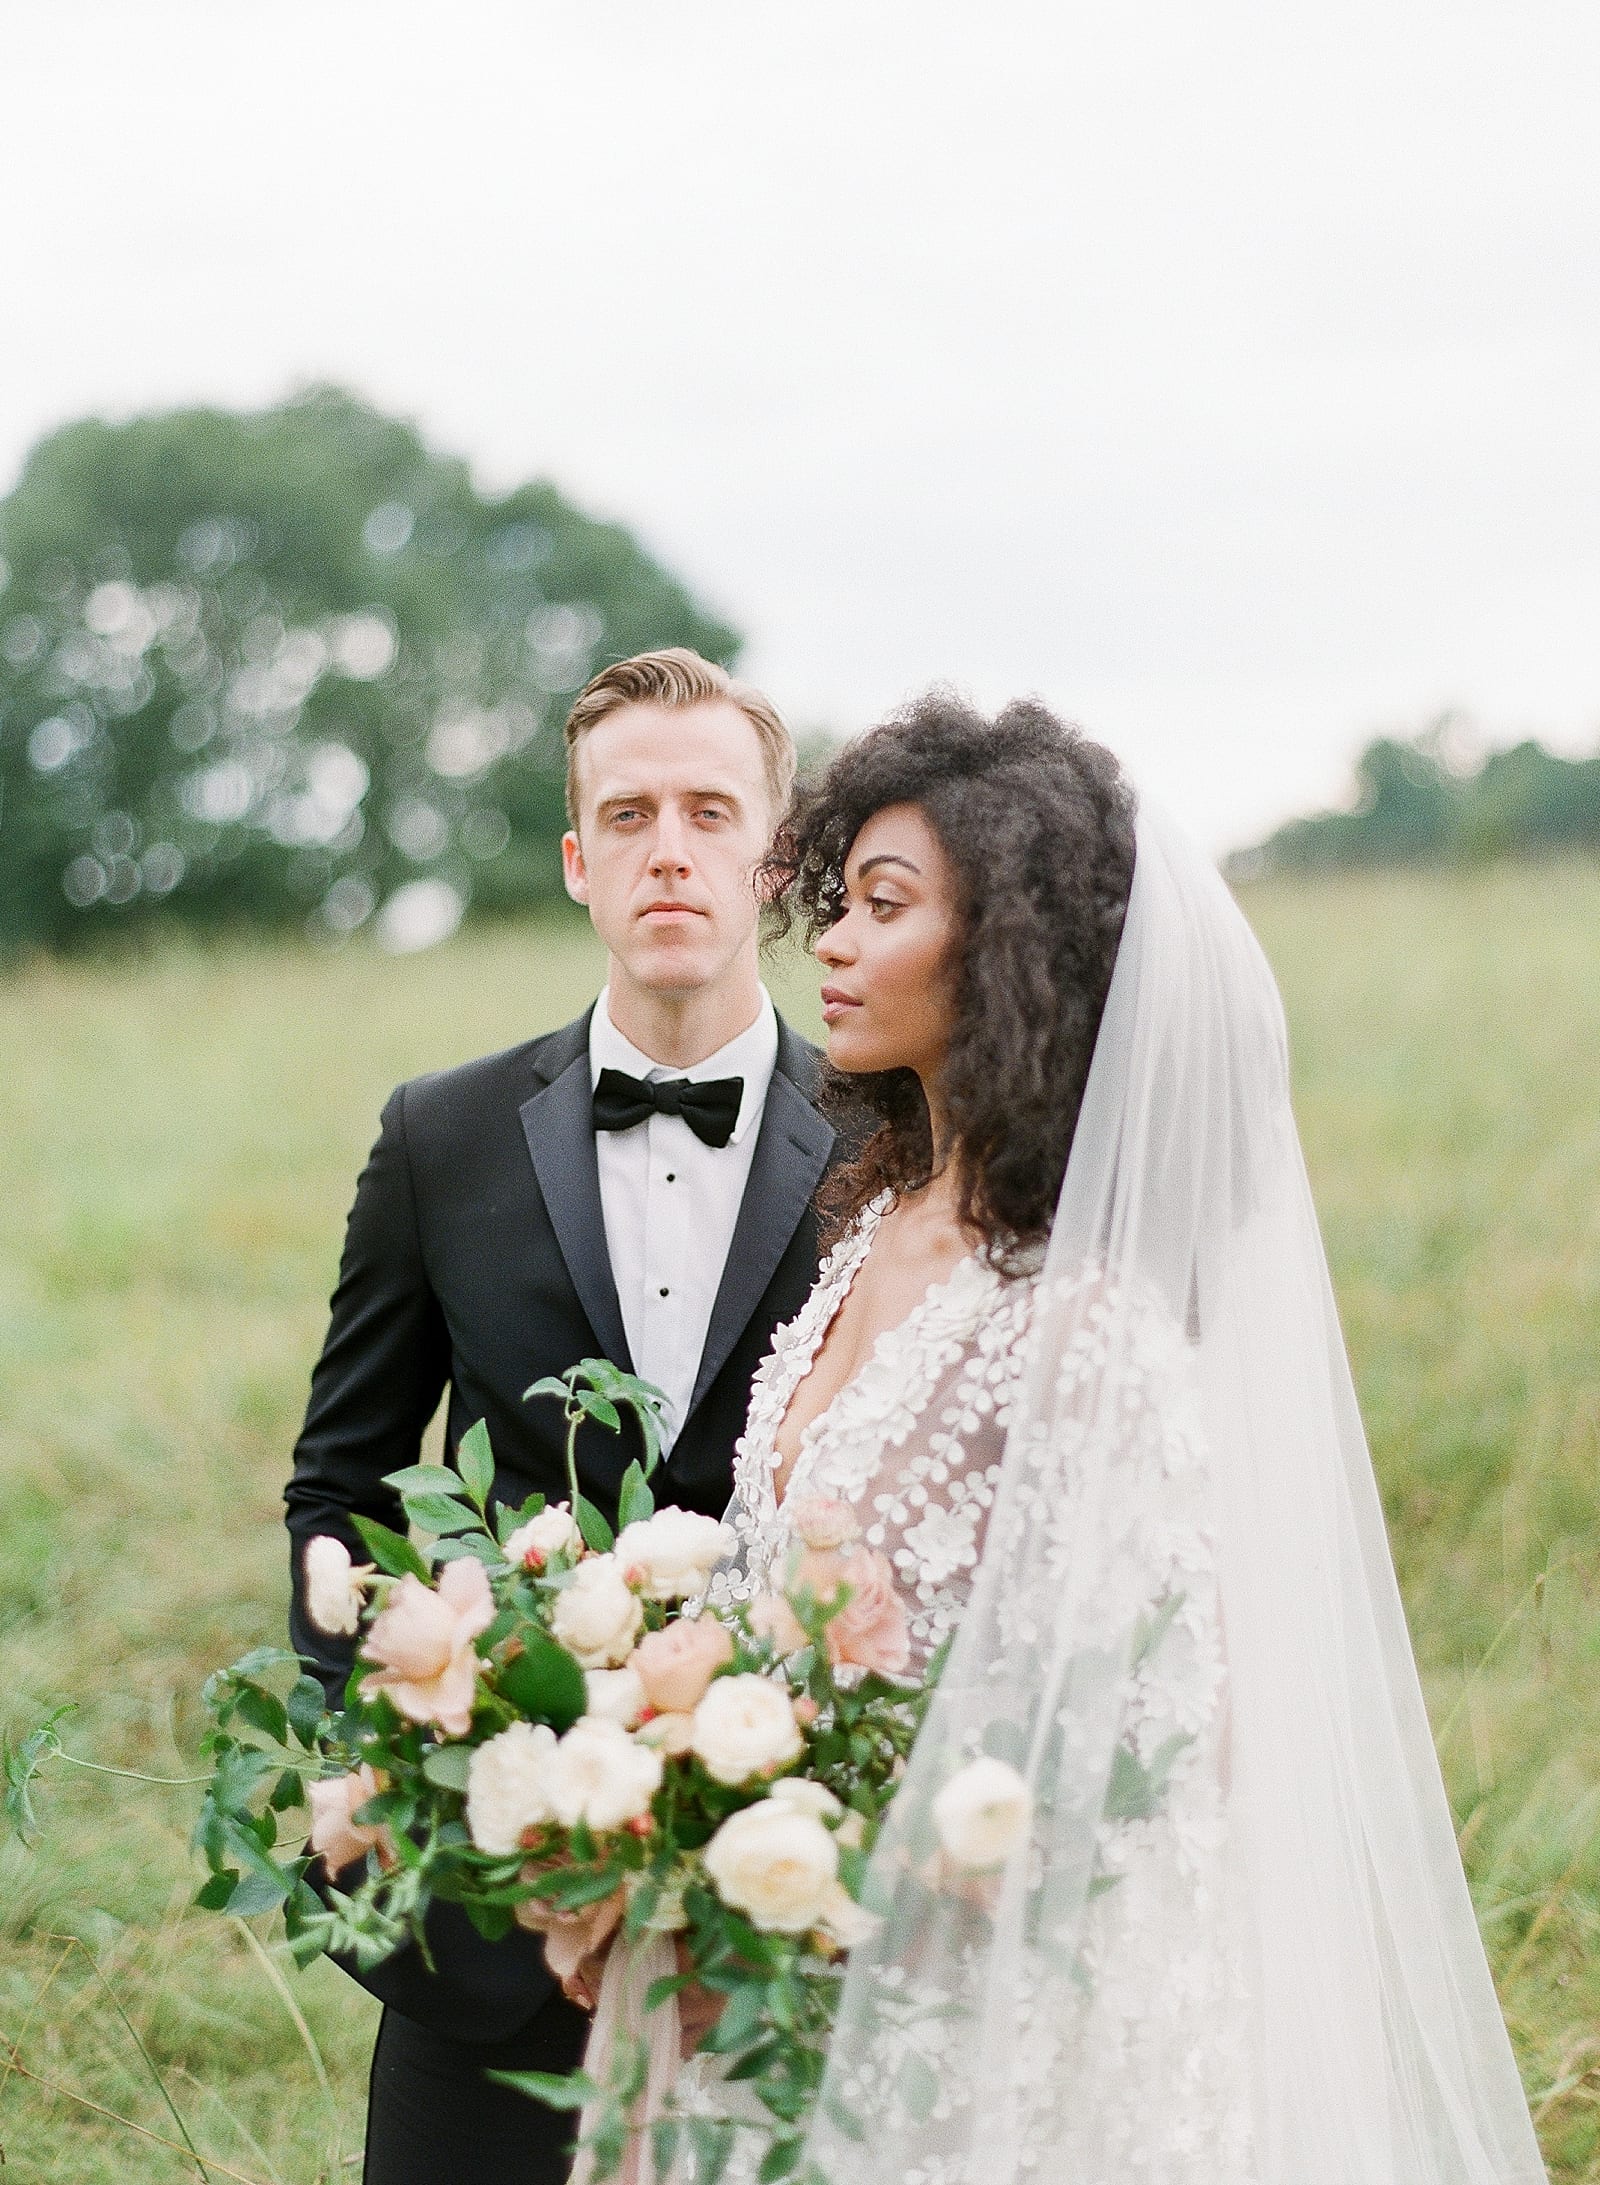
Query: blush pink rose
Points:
[823, 1521]
[676, 1665]
[772, 1618]
[871, 1629]
[423, 1643]
[335, 1836]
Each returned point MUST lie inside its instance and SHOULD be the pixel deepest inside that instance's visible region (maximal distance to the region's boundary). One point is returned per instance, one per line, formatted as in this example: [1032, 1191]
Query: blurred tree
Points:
[292, 668]
[1426, 800]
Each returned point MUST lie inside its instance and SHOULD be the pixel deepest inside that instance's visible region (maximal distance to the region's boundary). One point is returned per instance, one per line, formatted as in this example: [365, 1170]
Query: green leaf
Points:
[306, 1706]
[570, 1888]
[264, 1711]
[213, 1895]
[712, 2141]
[550, 2088]
[596, 1532]
[551, 1385]
[261, 1661]
[441, 1514]
[447, 1765]
[261, 1890]
[390, 1550]
[506, 1521]
[478, 1545]
[475, 1462]
[635, 1502]
[740, 2022]
[424, 1479]
[287, 1792]
[544, 1682]
[22, 1763]
[1154, 1627]
[668, 1985]
[493, 1921]
[779, 2159]
[601, 1409]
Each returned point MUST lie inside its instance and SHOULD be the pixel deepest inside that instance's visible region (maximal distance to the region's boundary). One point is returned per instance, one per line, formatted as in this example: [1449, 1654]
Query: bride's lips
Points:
[835, 1003]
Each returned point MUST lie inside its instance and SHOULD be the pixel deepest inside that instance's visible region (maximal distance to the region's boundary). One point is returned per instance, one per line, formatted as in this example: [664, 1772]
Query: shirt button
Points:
[664, 1290]
[670, 1177]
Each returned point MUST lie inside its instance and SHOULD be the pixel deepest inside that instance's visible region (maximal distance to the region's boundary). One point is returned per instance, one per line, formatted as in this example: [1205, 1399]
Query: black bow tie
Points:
[710, 1110]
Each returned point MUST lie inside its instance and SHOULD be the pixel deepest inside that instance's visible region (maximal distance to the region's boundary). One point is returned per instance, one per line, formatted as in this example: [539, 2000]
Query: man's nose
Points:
[669, 849]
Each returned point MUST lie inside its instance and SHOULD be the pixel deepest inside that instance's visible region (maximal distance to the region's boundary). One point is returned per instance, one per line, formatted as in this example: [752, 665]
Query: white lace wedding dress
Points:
[914, 1445]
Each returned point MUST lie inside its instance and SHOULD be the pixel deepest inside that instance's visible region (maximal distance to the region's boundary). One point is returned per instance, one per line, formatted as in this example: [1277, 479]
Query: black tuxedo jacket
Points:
[475, 1259]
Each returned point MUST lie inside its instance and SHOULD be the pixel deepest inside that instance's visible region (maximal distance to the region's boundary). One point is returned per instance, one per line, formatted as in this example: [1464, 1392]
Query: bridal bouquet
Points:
[542, 1729]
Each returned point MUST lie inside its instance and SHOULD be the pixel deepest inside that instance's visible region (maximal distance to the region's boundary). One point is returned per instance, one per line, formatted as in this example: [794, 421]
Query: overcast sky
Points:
[1228, 374]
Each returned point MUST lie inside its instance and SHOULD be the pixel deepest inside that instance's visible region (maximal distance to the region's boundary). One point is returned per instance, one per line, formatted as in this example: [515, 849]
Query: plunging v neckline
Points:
[811, 1432]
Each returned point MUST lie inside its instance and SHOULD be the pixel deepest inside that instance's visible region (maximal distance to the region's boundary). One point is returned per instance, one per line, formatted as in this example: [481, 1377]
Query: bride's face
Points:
[886, 996]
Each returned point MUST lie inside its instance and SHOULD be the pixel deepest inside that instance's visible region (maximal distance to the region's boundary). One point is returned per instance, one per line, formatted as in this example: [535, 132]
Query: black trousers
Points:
[433, 2119]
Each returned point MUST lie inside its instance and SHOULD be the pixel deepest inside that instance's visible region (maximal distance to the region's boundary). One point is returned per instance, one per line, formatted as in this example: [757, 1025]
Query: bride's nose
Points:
[832, 945]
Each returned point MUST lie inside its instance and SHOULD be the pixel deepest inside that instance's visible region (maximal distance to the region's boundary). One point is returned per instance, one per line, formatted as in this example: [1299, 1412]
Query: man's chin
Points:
[673, 969]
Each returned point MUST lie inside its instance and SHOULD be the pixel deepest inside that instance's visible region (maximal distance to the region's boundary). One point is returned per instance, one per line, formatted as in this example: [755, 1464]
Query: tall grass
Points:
[177, 1147]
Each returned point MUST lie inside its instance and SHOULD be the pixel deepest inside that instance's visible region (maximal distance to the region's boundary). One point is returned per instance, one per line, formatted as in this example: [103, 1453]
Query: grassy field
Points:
[177, 1148]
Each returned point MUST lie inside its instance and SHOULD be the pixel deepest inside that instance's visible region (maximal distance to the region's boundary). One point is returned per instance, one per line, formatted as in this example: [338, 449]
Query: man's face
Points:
[673, 817]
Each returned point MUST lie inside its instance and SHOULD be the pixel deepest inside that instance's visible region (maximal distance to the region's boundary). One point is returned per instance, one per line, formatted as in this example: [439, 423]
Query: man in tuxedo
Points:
[635, 1186]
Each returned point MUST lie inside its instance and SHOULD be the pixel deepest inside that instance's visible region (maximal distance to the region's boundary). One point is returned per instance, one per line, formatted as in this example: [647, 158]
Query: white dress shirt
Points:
[670, 1202]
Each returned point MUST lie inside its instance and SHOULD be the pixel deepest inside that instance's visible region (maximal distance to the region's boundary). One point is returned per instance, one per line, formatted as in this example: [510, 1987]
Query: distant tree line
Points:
[1422, 802]
[293, 670]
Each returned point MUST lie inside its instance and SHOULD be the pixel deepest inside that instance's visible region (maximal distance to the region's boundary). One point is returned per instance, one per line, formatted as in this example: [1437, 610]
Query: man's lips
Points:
[835, 1002]
[669, 913]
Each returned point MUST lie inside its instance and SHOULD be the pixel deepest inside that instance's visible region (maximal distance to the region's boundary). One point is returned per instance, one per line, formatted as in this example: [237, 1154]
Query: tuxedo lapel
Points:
[790, 1157]
[558, 1124]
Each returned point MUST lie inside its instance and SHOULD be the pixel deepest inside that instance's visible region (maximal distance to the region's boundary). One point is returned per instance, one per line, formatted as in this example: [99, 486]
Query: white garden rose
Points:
[596, 1617]
[745, 1727]
[670, 1734]
[598, 1774]
[805, 1796]
[615, 1695]
[334, 1585]
[506, 1787]
[676, 1551]
[775, 1863]
[983, 1813]
[552, 1532]
[849, 1924]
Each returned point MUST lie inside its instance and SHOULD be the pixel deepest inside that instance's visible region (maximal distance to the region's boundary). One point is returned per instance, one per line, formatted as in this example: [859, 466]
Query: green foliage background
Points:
[264, 669]
[1427, 802]
[177, 1150]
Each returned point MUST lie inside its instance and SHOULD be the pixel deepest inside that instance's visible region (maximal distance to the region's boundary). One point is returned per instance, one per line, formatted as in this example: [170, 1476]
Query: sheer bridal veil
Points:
[1199, 1916]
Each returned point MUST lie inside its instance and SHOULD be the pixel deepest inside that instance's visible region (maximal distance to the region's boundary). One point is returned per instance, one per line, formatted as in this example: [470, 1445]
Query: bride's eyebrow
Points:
[886, 857]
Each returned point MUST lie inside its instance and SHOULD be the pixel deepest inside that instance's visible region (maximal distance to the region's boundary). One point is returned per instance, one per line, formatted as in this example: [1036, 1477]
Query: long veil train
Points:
[1235, 1942]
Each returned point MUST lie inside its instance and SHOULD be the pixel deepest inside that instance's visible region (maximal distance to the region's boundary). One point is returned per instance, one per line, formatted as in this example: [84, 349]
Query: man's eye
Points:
[626, 815]
[711, 811]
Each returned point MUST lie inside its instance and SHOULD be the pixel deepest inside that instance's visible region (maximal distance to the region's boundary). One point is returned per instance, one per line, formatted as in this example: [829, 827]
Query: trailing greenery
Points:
[1417, 803]
[266, 669]
[177, 1149]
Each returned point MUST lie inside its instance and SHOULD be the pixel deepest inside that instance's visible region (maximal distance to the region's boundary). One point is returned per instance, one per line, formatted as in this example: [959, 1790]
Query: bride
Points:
[1073, 1370]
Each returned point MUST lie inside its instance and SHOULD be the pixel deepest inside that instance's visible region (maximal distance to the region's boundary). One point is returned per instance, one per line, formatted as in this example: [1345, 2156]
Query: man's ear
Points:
[573, 871]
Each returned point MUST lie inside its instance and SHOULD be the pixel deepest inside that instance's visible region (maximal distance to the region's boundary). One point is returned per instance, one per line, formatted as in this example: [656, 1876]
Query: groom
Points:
[636, 1186]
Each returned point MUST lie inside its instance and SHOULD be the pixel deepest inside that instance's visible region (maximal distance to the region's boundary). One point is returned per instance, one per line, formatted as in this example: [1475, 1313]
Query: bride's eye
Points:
[880, 905]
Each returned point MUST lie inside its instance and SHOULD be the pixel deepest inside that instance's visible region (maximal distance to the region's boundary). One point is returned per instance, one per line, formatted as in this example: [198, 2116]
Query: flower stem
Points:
[574, 1421]
[132, 1775]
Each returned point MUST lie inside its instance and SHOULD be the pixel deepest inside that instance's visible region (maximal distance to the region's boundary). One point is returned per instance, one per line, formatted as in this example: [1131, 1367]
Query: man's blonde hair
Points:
[676, 677]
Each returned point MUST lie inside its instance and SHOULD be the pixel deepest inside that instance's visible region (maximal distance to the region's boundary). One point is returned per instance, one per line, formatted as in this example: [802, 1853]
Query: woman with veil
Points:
[1072, 1383]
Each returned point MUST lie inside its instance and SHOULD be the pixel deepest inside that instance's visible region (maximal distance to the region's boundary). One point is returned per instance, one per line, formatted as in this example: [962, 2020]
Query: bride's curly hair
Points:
[1038, 825]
